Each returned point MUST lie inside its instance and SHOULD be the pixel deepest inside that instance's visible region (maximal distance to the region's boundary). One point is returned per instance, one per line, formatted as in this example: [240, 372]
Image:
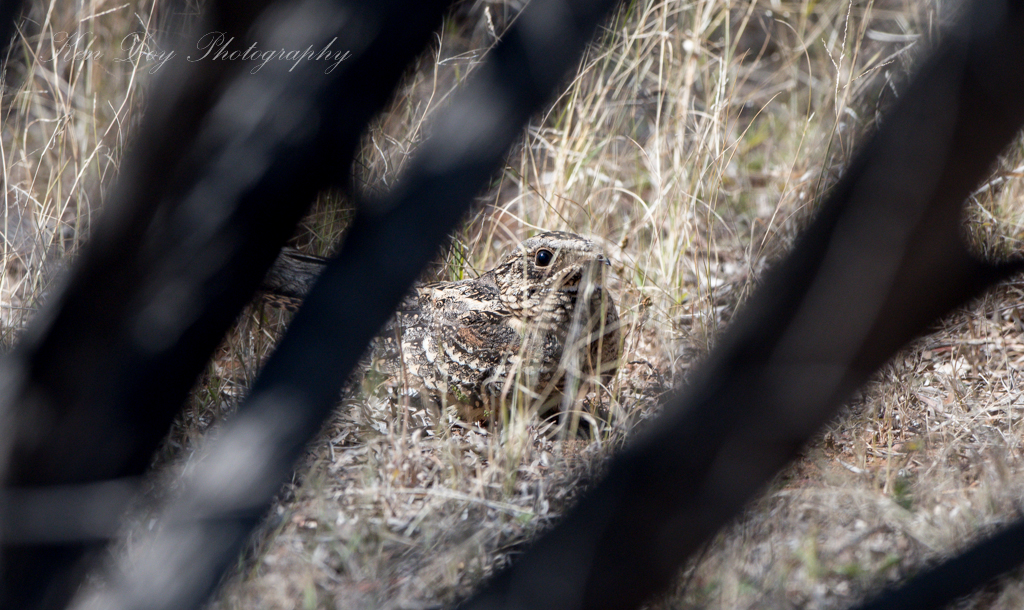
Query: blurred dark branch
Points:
[94, 385]
[10, 11]
[224, 166]
[882, 262]
[957, 576]
[66, 513]
[387, 246]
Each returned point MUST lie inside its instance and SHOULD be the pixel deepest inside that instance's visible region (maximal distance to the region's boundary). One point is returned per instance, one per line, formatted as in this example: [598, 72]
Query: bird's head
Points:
[545, 273]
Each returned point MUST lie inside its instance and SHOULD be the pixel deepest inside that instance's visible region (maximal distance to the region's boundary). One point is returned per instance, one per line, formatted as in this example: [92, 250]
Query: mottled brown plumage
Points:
[477, 343]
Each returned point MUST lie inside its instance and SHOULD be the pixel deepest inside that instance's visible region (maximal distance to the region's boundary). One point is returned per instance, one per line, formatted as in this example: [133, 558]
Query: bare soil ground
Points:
[691, 144]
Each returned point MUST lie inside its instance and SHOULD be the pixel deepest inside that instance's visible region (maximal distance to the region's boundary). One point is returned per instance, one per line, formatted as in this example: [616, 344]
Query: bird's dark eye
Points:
[544, 258]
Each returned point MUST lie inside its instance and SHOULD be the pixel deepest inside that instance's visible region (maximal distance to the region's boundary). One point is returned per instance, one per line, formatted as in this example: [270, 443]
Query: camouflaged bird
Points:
[474, 343]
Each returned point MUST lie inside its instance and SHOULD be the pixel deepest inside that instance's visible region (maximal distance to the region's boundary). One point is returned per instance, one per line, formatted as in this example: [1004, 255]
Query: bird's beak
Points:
[601, 258]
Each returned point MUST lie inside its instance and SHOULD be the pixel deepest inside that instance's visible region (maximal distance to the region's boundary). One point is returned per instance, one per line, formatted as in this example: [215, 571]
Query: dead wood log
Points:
[225, 164]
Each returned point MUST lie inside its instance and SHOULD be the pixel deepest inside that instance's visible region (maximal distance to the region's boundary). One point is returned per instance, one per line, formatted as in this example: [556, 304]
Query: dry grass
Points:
[70, 98]
[691, 144]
